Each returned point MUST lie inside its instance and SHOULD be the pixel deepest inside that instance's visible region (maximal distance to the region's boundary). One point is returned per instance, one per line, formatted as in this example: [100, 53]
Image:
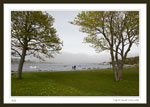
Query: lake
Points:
[58, 67]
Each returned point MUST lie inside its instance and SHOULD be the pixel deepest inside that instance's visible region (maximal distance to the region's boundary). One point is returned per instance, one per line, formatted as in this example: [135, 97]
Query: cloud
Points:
[77, 58]
[72, 58]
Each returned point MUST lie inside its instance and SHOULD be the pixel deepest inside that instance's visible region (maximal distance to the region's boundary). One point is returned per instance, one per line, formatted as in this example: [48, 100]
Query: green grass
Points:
[76, 83]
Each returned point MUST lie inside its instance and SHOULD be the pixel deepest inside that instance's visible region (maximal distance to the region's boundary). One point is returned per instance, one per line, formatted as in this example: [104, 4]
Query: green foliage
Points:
[34, 31]
[115, 31]
[132, 60]
[76, 83]
[102, 26]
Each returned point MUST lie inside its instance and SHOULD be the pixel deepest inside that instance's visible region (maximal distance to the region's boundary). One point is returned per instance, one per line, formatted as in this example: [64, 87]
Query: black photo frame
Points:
[67, 1]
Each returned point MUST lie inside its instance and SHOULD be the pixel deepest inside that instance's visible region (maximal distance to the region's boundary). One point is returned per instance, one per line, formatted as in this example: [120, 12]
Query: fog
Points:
[71, 58]
[76, 58]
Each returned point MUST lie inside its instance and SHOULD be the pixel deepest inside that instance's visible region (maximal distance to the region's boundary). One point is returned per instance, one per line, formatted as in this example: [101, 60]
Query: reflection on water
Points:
[58, 67]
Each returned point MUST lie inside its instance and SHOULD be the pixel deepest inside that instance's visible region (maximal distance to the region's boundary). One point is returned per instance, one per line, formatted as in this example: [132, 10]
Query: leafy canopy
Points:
[34, 31]
[108, 29]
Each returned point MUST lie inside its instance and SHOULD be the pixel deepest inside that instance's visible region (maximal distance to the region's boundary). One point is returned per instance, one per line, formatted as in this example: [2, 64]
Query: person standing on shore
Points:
[74, 67]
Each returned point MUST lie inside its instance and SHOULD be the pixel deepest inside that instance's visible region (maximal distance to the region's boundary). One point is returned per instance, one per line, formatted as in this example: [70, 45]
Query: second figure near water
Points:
[74, 67]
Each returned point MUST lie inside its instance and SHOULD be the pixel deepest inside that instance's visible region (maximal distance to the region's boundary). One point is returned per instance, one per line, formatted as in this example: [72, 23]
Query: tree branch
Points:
[16, 51]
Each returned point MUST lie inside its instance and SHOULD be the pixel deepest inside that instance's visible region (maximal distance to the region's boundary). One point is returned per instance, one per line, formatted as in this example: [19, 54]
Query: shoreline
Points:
[83, 70]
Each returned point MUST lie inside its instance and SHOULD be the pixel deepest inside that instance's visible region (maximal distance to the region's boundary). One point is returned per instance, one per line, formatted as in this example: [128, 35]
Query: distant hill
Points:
[131, 61]
[16, 60]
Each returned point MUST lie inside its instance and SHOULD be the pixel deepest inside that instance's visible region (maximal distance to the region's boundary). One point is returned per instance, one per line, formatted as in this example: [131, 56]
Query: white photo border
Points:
[141, 99]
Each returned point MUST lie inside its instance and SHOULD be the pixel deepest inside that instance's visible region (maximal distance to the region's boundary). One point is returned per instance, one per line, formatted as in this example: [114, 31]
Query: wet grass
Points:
[76, 83]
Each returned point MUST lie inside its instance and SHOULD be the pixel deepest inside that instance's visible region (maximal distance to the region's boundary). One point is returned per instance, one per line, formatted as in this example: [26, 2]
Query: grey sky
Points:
[72, 38]
[74, 50]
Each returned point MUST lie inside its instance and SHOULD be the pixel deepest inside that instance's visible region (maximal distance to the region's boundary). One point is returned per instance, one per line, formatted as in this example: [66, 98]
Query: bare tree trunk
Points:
[114, 67]
[21, 62]
[115, 73]
[120, 71]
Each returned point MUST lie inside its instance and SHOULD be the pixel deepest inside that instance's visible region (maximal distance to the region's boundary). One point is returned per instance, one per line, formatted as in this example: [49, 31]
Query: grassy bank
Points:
[76, 83]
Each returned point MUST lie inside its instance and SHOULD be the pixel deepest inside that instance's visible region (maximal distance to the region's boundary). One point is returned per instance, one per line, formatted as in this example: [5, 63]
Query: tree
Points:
[32, 33]
[115, 31]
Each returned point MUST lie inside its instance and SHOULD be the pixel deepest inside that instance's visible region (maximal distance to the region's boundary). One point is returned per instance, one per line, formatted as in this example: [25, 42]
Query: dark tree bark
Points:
[120, 72]
[22, 60]
[114, 65]
[115, 68]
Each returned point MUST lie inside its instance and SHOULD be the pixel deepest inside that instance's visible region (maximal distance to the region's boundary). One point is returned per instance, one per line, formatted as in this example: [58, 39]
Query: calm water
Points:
[57, 67]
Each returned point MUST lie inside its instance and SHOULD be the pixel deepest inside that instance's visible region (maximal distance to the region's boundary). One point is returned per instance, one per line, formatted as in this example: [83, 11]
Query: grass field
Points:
[76, 83]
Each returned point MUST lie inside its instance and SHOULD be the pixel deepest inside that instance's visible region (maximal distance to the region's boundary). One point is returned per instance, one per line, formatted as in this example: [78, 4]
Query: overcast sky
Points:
[74, 50]
[72, 38]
